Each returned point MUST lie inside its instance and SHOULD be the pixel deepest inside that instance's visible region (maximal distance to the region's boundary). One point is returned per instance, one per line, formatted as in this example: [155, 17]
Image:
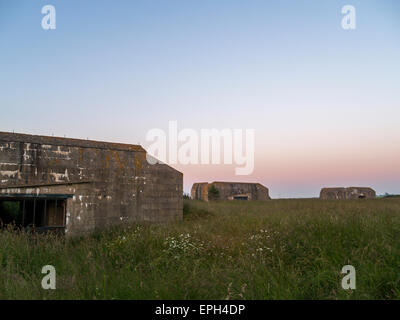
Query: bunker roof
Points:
[233, 182]
[67, 142]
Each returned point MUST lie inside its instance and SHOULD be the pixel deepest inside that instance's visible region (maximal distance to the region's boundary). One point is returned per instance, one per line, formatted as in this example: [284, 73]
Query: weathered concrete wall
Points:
[200, 191]
[111, 183]
[347, 193]
[228, 190]
[333, 193]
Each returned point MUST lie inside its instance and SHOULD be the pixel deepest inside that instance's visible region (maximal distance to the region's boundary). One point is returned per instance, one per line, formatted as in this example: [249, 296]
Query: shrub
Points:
[213, 193]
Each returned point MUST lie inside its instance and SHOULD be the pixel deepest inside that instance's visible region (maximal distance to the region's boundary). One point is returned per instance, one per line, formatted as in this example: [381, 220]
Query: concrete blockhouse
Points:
[77, 186]
[347, 193]
[229, 191]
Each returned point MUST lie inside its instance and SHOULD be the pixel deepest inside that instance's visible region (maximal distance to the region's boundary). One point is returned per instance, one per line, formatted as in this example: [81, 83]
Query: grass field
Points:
[280, 249]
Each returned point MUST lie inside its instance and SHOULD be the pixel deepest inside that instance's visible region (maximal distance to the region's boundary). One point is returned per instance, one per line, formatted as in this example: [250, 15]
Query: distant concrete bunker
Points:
[347, 193]
[229, 191]
[78, 186]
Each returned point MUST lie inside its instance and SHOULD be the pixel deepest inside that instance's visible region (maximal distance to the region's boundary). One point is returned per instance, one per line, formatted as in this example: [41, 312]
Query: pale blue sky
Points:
[112, 70]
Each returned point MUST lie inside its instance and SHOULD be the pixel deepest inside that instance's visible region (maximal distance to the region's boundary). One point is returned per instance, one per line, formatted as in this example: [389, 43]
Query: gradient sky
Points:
[324, 101]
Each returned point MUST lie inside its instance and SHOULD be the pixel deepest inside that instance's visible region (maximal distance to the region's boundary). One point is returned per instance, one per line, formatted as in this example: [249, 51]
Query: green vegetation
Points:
[279, 249]
[387, 195]
[213, 193]
[10, 212]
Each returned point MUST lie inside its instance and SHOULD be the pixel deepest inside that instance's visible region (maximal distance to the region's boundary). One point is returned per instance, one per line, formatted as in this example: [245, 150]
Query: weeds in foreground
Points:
[279, 249]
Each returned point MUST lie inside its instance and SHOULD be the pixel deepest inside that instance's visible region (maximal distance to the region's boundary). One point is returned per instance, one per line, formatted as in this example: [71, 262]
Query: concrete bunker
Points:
[242, 191]
[347, 193]
[78, 186]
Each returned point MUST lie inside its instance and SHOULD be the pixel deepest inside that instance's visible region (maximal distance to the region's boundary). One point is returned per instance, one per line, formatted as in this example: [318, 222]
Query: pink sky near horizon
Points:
[301, 169]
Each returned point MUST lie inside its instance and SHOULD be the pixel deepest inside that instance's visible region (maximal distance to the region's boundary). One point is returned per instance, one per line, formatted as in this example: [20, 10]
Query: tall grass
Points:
[279, 249]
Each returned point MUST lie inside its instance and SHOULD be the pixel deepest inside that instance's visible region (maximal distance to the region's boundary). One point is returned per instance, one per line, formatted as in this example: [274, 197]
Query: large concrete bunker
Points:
[78, 186]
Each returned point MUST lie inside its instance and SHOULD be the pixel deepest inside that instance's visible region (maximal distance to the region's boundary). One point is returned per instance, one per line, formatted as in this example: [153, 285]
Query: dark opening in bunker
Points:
[34, 213]
[241, 198]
